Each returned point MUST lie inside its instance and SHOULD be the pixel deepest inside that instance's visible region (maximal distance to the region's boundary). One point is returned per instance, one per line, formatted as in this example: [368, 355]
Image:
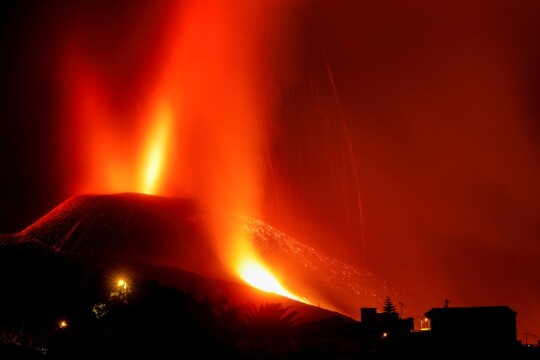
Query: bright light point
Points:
[259, 277]
[384, 335]
[63, 324]
[122, 284]
[156, 150]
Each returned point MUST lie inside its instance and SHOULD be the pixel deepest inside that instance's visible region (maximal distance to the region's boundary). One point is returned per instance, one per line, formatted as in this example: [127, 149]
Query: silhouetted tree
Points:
[270, 319]
[159, 320]
[268, 329]
[389, 307]
[227, 316]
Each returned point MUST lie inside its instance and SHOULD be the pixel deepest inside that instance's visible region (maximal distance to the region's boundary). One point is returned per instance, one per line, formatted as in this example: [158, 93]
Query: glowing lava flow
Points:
[258, 276]
[255, 273]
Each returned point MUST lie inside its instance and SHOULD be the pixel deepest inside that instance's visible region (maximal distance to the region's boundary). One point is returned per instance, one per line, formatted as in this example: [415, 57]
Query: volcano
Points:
[166, 239]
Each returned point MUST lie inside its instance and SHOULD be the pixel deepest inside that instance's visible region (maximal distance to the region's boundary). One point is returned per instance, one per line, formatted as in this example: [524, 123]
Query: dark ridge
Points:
[152, 229]
[172, 232]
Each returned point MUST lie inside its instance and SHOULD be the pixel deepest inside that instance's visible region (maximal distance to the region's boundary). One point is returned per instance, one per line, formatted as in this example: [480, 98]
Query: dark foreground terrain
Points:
[55, 306]
[133, 276]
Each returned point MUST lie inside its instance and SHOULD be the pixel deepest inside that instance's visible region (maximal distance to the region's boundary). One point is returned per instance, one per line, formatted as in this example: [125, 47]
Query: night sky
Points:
[399, 136]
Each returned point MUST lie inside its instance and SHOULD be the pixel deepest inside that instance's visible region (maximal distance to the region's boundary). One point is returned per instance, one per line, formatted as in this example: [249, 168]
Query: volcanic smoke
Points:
[194, 123]
[286, 112]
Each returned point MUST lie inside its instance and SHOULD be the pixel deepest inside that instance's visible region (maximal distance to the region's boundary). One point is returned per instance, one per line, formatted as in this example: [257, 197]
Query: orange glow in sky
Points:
[399, 136]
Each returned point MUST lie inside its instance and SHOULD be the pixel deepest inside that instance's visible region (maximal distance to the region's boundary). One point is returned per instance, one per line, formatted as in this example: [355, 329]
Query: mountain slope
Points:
[172, 233]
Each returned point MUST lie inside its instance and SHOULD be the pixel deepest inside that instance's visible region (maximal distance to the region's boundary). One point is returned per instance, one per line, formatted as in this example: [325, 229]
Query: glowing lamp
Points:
[122, 284]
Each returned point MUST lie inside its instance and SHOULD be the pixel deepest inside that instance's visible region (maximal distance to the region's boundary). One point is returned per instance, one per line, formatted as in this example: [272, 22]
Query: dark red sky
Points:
[401, 136]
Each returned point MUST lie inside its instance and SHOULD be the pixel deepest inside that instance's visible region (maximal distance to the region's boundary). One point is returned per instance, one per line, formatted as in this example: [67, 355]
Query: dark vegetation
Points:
[41, 288]
[147, 319]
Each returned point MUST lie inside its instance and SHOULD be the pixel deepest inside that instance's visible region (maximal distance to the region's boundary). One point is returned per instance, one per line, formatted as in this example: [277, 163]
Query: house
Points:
[491, 328]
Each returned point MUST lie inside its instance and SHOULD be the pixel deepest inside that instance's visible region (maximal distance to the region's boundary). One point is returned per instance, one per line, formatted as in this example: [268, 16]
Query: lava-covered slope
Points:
[172, 232]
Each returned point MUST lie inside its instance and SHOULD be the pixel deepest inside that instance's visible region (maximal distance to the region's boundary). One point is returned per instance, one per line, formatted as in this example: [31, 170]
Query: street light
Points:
[119, 289]
[122, 284]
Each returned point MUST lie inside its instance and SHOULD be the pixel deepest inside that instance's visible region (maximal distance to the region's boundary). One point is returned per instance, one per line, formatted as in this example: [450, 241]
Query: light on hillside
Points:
[122, 284]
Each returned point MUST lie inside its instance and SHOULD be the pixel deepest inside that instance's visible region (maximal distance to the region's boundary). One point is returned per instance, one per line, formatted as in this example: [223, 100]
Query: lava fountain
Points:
[170, 102]
[156, 150]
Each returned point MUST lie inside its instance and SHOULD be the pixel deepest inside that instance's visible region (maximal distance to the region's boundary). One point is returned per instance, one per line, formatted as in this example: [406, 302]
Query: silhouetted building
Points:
[486, 328]
[384, 323]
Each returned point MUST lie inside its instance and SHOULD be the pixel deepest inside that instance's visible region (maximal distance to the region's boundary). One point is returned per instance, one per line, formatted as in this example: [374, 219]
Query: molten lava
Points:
[258, 276]
[156, 150]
